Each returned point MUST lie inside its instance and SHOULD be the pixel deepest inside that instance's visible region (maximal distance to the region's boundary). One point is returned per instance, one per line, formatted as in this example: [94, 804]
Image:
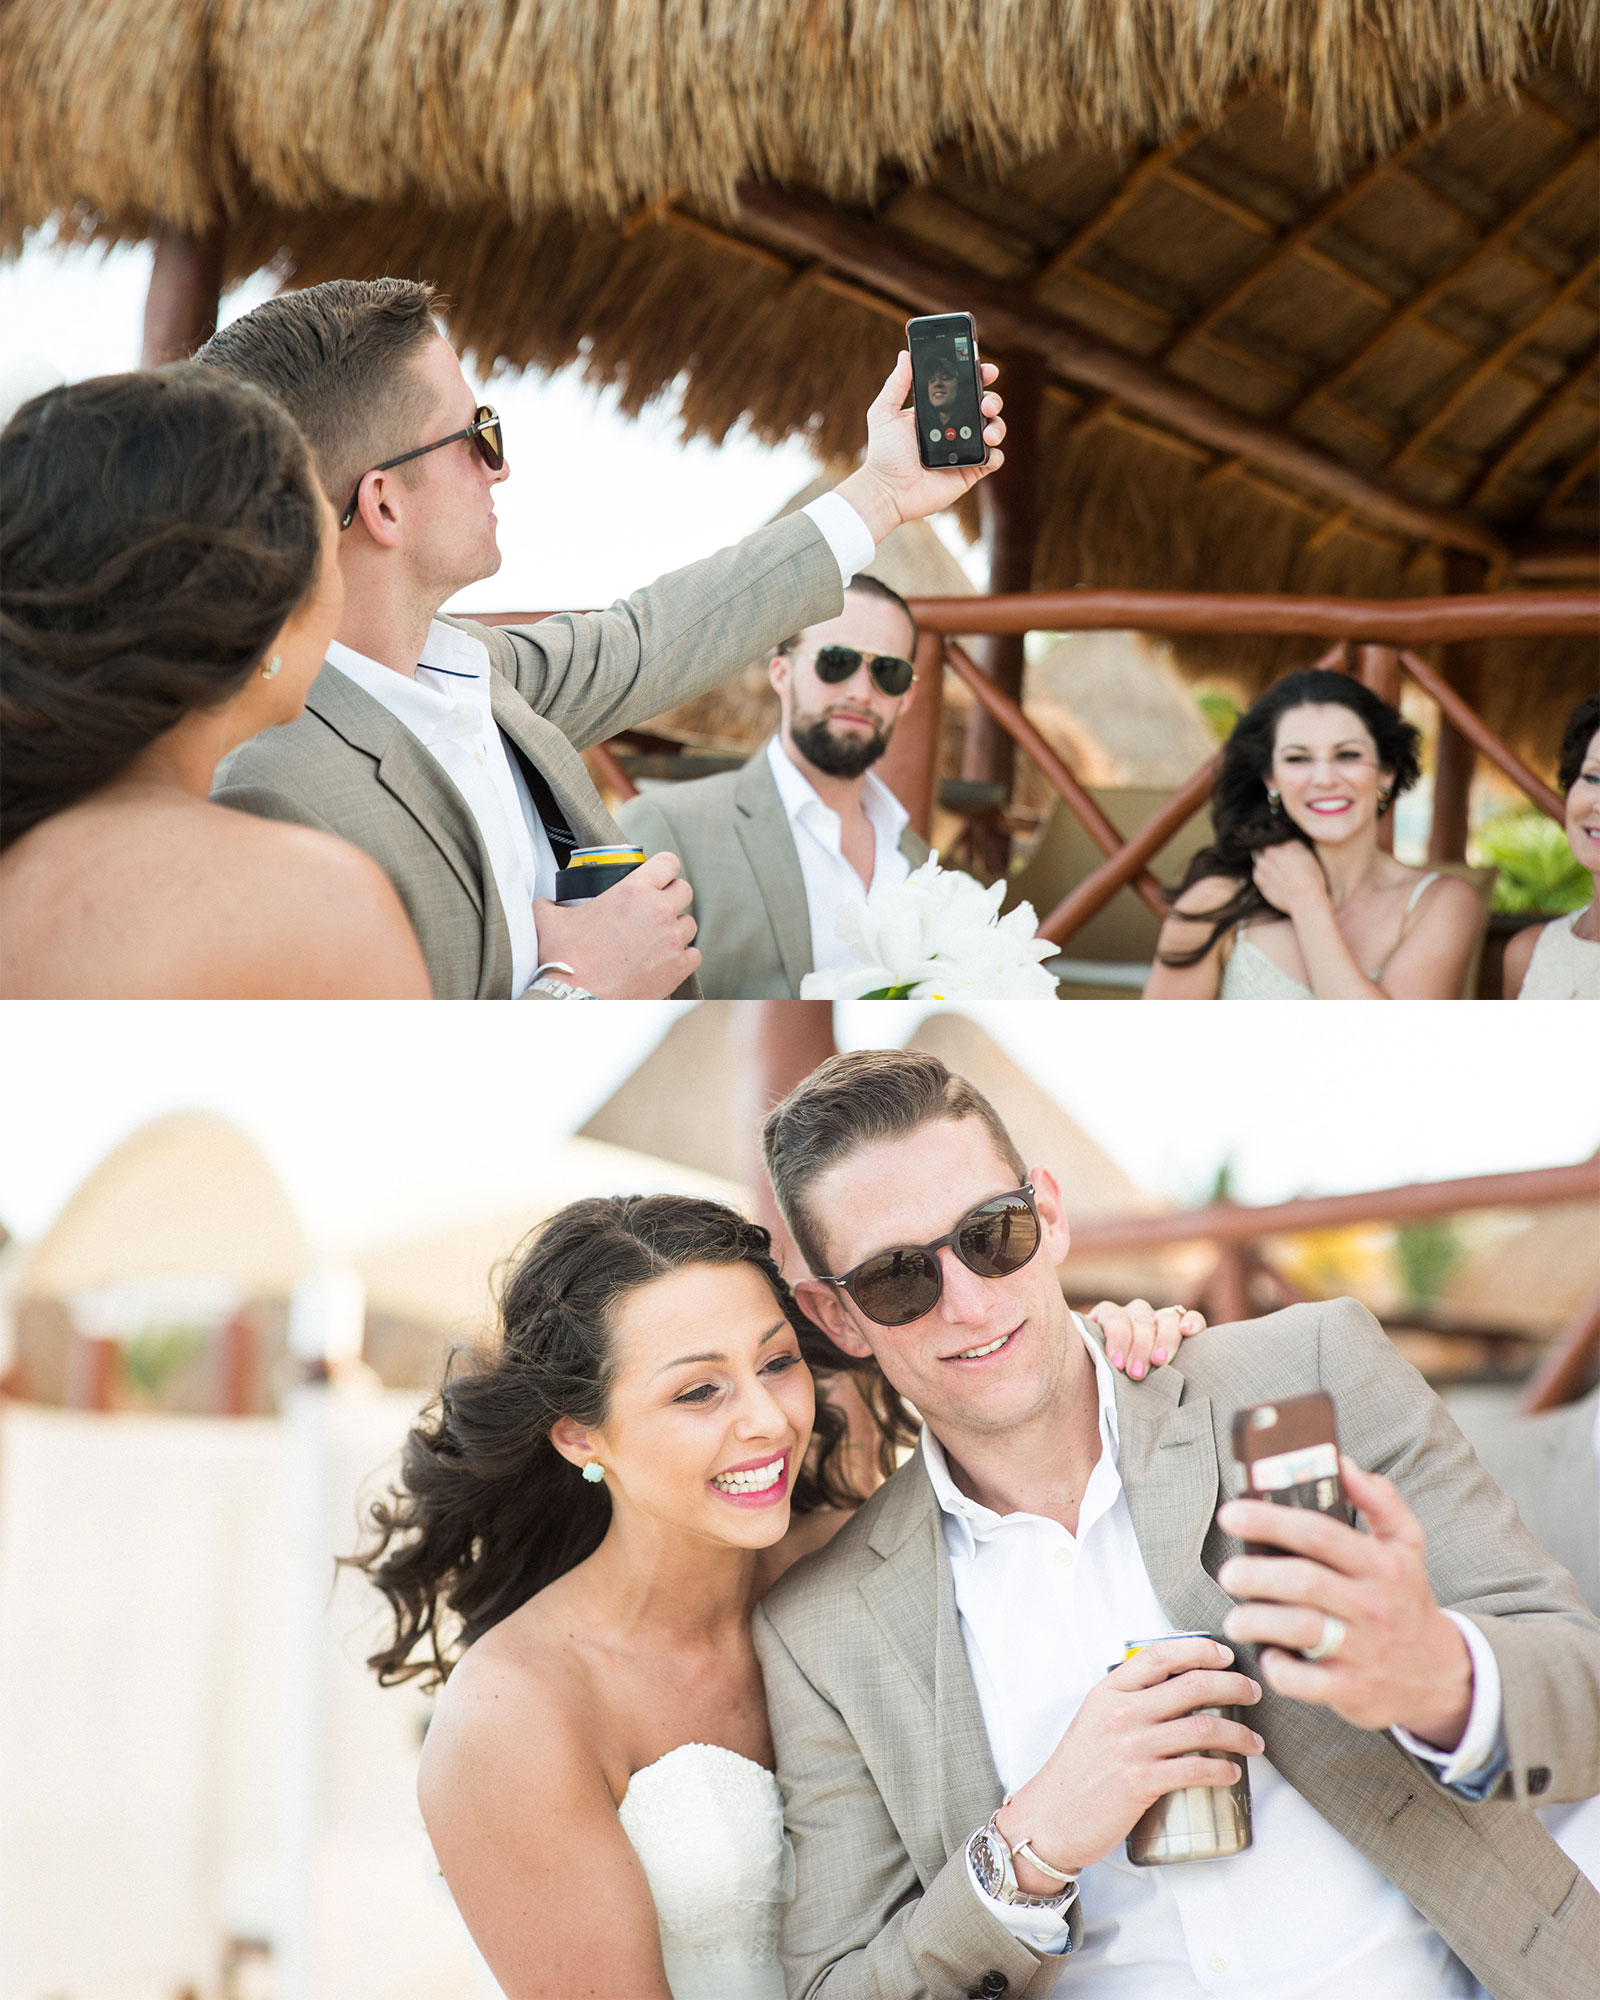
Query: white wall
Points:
[190, 1746]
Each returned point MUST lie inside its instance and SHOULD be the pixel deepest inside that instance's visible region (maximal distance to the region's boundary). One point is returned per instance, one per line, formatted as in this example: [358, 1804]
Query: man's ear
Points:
[1052, 1213]
[378, 508]
[822, 1304]
[778, 673]
[574, 1442]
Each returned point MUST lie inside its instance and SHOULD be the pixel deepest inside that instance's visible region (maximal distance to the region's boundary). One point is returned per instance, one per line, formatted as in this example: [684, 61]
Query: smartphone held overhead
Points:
[947, 389]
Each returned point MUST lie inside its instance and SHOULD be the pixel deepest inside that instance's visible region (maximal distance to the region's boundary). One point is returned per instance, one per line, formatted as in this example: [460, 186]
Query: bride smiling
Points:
[1295, 899]
[585, 1519]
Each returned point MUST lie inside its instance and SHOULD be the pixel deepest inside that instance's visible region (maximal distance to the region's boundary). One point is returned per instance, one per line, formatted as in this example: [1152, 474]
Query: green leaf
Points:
[1538, 870]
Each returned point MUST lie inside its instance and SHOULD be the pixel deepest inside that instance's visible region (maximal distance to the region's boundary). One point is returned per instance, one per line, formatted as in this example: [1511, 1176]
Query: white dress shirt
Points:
[831, 881]
[446, 707]
[1301, 1914]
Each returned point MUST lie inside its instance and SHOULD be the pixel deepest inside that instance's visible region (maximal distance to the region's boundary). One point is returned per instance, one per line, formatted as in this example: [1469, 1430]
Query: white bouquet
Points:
[937, 936]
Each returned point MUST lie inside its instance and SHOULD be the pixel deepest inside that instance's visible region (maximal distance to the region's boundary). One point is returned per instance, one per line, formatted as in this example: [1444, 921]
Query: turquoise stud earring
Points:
[594, 1472]
[273, 668]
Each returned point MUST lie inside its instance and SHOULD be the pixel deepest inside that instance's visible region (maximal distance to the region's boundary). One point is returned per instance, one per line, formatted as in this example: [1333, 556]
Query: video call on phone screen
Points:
[945, 392]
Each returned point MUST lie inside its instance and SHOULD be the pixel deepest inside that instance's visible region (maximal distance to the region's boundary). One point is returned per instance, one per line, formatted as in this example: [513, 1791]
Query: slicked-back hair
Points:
[339, 357]
[1576, 738]
[869, 586]
[859, 1100]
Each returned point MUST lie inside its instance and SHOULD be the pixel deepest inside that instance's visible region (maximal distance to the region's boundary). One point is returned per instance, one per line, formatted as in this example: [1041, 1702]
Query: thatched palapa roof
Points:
[1369, 227]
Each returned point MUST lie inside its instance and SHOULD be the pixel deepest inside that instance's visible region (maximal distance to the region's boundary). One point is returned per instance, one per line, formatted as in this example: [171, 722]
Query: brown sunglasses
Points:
[485, 432]
[897, 1286]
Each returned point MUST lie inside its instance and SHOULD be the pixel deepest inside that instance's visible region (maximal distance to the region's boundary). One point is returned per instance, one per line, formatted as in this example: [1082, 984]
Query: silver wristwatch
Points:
[991, 1863]
[558, 989]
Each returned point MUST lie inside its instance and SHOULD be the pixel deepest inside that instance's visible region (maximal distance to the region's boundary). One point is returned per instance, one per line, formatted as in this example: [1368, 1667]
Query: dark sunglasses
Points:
[890, 675]
[897, 1286]
[484, 431]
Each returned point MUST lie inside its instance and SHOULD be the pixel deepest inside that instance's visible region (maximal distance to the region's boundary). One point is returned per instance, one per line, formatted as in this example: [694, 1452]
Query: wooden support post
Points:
[1455, 756]
[1378, 669]
[180, 309]
[93, 1370]
[237, 1362]
[1008, 504]
[778, 1042]
[1227, 1293]
[910, 766]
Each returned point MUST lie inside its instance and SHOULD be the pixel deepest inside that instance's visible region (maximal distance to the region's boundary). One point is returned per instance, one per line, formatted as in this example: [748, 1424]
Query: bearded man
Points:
[777, 849]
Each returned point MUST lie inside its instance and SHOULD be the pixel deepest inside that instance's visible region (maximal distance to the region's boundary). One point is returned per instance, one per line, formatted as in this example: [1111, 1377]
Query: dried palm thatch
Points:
[1370, 223]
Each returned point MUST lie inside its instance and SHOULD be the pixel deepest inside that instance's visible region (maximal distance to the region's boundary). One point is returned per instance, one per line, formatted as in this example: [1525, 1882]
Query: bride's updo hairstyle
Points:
[487, 1511]
[156, 532]
[1243, 821]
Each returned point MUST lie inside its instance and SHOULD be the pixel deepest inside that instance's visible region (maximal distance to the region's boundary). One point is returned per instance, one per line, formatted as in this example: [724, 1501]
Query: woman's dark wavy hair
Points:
[487, 1511]
[1575, 740]
[156, 530]
[1242, 819]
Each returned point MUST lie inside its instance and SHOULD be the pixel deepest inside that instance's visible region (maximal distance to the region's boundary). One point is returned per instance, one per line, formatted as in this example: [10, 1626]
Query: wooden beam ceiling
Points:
[893, 263]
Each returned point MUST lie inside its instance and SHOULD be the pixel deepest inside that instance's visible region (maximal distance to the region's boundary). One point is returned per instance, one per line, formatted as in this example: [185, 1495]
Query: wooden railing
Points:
[1235, 1231]
[1375, 640]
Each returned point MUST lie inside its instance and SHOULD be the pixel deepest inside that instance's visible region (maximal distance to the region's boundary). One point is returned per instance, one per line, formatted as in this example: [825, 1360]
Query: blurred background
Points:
[234, 1266]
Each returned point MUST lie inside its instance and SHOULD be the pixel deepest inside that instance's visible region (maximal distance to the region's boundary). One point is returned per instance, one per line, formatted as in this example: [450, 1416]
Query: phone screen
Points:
[945, 389]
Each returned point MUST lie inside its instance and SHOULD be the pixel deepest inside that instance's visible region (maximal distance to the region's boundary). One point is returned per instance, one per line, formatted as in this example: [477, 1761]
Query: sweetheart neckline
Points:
[720, 1748]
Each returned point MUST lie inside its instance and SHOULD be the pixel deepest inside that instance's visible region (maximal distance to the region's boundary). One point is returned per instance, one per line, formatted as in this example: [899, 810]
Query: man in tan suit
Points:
[448, 750]
[775, 850]
[960, 1767]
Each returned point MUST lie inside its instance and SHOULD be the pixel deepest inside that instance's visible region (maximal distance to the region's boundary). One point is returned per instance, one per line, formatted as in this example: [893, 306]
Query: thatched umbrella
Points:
[1297, 296]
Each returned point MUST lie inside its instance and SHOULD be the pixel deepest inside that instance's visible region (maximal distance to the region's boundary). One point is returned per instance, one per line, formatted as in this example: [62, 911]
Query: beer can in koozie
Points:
[1203, 1822]
[590, 871]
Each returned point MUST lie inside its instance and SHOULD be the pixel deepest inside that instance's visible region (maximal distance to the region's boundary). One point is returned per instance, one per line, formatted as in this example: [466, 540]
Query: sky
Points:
[384, 1120]
[597, 503]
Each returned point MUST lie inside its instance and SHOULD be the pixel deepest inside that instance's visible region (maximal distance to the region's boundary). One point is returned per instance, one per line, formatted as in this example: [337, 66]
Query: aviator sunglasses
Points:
[890, 674]
[484, 431]
[900, 1285]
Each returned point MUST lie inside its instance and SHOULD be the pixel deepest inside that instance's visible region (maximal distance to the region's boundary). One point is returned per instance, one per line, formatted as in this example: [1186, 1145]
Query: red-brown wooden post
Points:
[1378, 668]
[1008, 504]
[910, 766]
[237, 1362]
[780, 1042]
[93, 1370]
[180, 308]
[1227, 1293]
[1455, 756]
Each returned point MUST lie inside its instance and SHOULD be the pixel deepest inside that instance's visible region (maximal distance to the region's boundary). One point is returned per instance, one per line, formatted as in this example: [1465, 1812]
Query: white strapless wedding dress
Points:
[707, 1826]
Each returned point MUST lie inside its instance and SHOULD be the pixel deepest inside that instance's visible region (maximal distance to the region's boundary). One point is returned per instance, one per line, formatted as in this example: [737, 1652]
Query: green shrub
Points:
[1538, 870]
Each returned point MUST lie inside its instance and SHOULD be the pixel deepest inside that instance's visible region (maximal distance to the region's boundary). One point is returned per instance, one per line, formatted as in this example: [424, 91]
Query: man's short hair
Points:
[869, 586]
[857, 1100]
[338, 357]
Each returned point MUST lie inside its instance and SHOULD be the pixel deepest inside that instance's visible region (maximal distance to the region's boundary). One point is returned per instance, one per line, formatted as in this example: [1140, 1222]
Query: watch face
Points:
[986, 1860]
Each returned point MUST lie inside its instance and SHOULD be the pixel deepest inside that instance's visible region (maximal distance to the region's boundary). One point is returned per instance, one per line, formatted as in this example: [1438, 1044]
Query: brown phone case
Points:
[1288, 1452]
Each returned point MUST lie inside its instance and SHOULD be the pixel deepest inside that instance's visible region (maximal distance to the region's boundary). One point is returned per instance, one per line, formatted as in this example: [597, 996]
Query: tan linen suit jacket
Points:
[347, 765]
[733, 837]
[885, 1763]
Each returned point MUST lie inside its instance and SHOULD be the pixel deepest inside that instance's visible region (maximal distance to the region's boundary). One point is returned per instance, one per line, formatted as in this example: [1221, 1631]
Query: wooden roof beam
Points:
[1534, 420]
[1127, 192]
[1010, 318]
[1492, 363]
[1575, 473]
[1418, 304]
[1299, 237]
